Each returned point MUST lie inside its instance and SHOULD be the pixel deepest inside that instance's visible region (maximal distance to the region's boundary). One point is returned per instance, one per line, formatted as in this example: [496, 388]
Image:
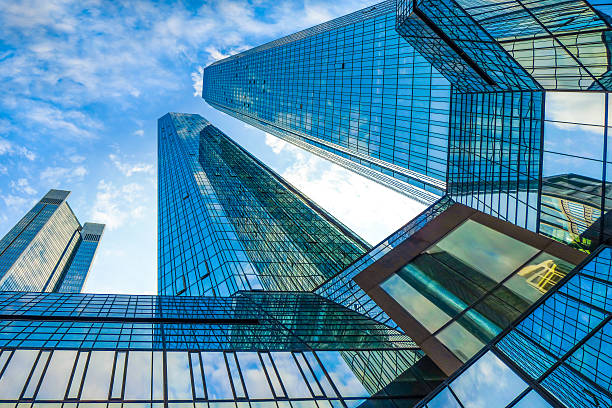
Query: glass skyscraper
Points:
[434, 97]
[351, 90]
[228, 223]
[48, 250]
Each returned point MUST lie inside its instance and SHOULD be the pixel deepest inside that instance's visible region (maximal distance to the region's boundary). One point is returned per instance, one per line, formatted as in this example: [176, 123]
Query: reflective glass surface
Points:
[472, 284]
[563, 348]
[228, 223]
[350, 90]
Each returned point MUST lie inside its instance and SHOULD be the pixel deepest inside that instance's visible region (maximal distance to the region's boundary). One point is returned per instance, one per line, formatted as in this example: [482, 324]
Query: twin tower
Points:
[499, 294]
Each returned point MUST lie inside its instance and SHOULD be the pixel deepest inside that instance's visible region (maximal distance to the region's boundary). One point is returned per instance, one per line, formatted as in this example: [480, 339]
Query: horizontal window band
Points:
[113, 319]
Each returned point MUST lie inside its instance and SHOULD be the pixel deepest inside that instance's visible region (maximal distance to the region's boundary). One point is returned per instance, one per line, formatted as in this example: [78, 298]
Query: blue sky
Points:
[83, 83]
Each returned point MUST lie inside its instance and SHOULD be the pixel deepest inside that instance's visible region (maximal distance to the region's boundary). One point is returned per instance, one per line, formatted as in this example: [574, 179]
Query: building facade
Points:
[228, 223]
[557, 355]
[45, 247]
[350, 90]
[449, 96]
[281, 349]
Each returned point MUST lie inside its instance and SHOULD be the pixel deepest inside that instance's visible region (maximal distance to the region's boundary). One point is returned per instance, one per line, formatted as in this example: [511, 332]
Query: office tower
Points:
[42, 248]
[466, 95]
[557, 355]
[229, 223]
[290, 349]
[75, 273]
[350, 90]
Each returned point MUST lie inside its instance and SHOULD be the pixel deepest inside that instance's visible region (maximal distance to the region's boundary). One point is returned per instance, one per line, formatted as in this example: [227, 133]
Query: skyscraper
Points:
[434, 97]
[47, 246]
[75, 273]
[350, 90]
[228, 223]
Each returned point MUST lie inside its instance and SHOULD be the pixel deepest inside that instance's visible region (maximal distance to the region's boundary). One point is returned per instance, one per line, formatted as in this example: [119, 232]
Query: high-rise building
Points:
[434, 97]
[228, 223]
[351, 90]
[75, 274]
[46, 250]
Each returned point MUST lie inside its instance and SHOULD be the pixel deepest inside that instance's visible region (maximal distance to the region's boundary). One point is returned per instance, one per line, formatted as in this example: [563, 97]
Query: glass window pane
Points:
[179, 377]
[490, 252]
[320, 375]
[77, 378]
[421, 308]
[158, 375]
[118, 375]
[138, 378]
[55, 381]
[36, 374]
[97, 378]
[290, 375]
[254, 376]
[537, 278]
[444, 399]
[196, 371]
[278, 390]
[473, 387]
[459, 341]
[532, 400]
[235, 375]
[216, 376]
[16, 373]
[342, 376]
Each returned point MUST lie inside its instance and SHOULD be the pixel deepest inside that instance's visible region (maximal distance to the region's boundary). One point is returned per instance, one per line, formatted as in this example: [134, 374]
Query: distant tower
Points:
[40, 251]
[227, 222]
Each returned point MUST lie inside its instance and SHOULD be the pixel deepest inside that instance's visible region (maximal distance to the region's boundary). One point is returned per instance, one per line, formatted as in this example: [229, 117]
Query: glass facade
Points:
[351, 90]
[75, 274]
[38, 250]
[283, 349]
[472, 284]
[557, 355]
[228, 223]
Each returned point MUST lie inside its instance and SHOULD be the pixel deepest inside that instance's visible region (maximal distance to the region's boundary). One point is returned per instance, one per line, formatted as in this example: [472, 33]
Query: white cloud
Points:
[57, 176]
[576, 107]
[139, 133]
[3, 169]
[11, 149]
[130, 169]
[369, 209]
[115, 205]
[197, 77]
[16, 202]
[75, 158]
[22, 186]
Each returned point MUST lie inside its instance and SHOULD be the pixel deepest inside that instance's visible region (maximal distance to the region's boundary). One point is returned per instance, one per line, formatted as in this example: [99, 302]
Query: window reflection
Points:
[253, 376]
[138, 378]
[532, 400]
[216, 376]
[460, 341]
[473, 387]
[290, 375]
[537, 278]
[490, 252]
[97, 378]
[342, 376]
[179, 377]
[55, 381]
[16, 373]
